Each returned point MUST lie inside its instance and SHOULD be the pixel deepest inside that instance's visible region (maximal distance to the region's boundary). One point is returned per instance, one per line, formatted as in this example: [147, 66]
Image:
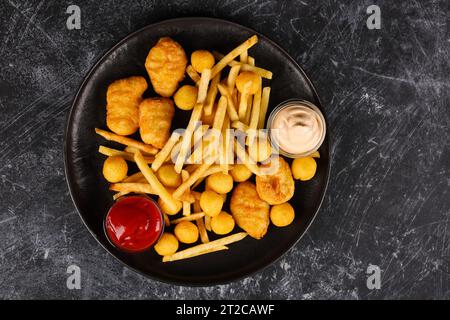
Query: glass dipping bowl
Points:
[290, 103]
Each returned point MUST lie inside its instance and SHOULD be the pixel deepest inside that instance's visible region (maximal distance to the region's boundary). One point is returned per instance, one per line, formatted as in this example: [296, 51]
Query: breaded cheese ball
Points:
[304, 168]
[282, 215]
[211, 203]
[240, 173]
[186, 97]
[167, 244]
[220, 182]
[186, 232]
[202, 59]
[115, 169]
[168, 176]
[223, 223]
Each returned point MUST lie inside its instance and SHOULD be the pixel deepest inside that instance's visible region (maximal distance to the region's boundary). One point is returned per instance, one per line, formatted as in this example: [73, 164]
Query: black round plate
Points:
[83, 163]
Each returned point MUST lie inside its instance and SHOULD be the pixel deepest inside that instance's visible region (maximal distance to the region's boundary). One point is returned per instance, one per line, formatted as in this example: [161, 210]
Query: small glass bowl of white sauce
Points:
[297, 128]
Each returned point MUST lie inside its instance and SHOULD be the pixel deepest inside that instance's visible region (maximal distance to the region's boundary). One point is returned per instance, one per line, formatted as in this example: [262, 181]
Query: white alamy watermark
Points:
[374, 20]
[74, 279]
[374, 277]
[74, 20]
[208, 145]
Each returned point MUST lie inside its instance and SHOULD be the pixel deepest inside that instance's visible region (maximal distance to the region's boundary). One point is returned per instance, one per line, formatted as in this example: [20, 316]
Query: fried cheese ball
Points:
[122, 105]
[247, 82]
[186, 97]
[166, 64]
[168, 176]
[167, 244]
[240, 173]
[115, 169]
[223, 223]
[304, 168]
[165, 209]
[220, 182]
[211, 203]
[282, 215]
[155, 119]
[202, 59]
[186, 232]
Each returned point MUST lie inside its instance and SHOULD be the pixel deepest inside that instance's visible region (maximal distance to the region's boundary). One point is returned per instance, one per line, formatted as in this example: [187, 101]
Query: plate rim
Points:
[69, 122]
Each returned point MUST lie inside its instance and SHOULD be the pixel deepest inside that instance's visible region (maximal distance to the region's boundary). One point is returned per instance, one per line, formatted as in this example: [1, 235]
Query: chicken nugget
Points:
[122, 105]
[155, 119]
[250, 212]
[166, 64]
[279, 187]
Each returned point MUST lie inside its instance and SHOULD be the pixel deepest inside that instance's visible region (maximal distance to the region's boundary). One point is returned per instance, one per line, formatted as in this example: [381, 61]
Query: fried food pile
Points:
[194, 174]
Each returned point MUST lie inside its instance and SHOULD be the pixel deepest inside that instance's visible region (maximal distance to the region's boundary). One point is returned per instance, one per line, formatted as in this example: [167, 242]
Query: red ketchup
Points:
[134, 223]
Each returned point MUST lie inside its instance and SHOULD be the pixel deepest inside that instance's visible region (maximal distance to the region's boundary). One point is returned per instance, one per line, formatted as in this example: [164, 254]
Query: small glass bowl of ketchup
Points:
[134, 223]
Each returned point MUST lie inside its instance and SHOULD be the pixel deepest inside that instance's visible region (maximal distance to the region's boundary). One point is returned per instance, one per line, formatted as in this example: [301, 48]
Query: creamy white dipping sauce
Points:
[297, 129]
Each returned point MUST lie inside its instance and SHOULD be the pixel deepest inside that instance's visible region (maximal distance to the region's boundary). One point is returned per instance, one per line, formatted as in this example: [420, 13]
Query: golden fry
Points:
[193, 74]
[205, 246]
[211, 96]
[126, 155]
[160, 190]
[129, 187]
[231, 108]
[165, 151]
[203, 85]
[233, 54]
[202, 230]
[191, 217]
[192, 255]
[264, 105]
[126, 141]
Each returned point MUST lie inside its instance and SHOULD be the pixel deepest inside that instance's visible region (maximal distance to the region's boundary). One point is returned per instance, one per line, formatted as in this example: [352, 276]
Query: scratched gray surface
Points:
[386, 95]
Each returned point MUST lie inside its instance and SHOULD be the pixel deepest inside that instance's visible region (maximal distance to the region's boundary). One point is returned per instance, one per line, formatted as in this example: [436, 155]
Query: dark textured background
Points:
[386, 95]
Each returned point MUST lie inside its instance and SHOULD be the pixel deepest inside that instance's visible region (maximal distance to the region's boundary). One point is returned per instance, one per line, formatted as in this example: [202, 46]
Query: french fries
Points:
[192, 179]
[202, 230]
[240, 126]
[186, 204]
[233, 54]
[192, 74]
[220, 248]
[231, 108]
[198, 249]
[129, 187]
[254, 119]
[212, 94]
[126, 141]
[220, 113]
[161, 156]
[264, 105]
[208, 223]
[247, 67]
[203, 85]
[160, 190]
[109, 152]
[191, 217]
[185, 142]
[231, 80]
